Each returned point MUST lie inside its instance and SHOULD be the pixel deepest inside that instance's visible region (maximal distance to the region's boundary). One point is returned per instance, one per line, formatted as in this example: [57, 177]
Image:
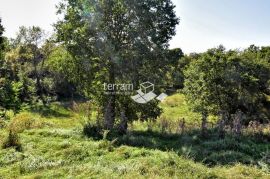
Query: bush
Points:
[22, 122]
[12, 140]
[92, 130]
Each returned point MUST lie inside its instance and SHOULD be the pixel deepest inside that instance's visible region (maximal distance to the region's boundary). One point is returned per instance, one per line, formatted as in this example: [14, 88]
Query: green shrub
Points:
[12, 140]
[22, 122]
[92, 130]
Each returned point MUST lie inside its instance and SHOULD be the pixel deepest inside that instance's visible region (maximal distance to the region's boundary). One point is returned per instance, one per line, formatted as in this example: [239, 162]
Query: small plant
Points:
[266, 130]
[12, 140]
[105, 143]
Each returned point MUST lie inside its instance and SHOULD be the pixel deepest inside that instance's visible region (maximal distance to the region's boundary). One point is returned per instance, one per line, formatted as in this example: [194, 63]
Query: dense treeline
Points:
[30, 70]
[127, 42]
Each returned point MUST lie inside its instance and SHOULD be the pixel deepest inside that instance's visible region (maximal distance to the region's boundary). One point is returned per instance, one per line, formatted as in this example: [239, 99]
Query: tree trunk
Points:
[123, 124]
[237, 126]
[204, 125]
[38, 85]
[181, 126]
[221, 123]
[109, 115]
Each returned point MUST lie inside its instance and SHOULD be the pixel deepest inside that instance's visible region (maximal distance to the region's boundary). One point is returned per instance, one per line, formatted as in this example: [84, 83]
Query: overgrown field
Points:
[49, 143]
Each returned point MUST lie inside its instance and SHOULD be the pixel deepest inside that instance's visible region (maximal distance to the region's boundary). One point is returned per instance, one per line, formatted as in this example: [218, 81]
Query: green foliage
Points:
[226, 81]
[92, 130]
[9, 90]
[25, 64]
[122, 41]
[61, 67]
[12, 140]
[23, 121]
[2, 42]
[9, 94]
[127, 46]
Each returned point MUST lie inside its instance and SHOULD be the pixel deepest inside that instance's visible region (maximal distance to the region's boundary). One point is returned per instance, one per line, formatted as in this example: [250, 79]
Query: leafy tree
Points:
[116, 41]
[221, 82]
[171, 68]
[2, 46]
[60, 67]
[9, 90]
[26, 60]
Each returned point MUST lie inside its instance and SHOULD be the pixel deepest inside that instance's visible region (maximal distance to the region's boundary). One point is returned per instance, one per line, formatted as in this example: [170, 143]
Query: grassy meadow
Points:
[49, 143]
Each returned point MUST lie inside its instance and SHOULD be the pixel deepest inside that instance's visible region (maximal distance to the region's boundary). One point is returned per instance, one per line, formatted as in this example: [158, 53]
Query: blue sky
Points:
[204, 23]
[234, 23]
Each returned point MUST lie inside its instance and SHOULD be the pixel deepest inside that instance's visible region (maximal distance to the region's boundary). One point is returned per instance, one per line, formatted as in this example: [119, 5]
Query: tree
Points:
[1, 44]
[221, 82]
[9, 90]
[26, 59]
[116, 41]
[60, 67]
[171, 68]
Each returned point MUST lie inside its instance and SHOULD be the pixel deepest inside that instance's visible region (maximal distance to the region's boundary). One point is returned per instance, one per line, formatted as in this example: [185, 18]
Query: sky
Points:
[203, 24]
